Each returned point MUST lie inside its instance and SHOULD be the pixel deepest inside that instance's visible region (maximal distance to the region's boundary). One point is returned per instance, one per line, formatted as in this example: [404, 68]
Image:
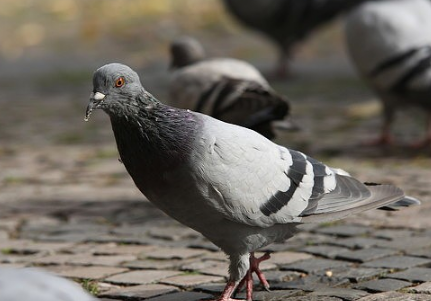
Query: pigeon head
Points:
[185, 51]
[116, 90]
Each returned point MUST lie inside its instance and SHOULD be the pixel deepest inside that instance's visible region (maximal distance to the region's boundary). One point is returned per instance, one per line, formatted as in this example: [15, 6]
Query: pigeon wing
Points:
[251, 180]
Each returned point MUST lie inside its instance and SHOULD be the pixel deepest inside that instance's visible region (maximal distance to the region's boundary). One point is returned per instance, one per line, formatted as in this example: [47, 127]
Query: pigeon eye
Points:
[119, 82]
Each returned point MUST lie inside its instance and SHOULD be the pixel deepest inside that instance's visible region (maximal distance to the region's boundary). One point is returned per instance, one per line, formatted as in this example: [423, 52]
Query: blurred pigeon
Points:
[389, 42]
[38, 285]
[228, 89]
[287, 22]
[237, 188]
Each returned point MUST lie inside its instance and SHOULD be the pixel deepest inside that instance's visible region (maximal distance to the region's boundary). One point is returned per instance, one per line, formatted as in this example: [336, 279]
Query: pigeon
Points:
[237, 188]
[227, 89]
[287, 22]
[38, 285]
[389, 42]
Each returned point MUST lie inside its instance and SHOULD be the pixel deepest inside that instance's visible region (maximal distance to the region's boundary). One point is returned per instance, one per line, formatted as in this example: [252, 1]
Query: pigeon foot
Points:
[254, 268]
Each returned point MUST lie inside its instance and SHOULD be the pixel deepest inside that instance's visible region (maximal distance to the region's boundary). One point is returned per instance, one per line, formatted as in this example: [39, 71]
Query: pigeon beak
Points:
[95, 100]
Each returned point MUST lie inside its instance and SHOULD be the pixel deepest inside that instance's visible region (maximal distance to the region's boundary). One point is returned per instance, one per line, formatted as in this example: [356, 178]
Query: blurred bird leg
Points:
[427, 140]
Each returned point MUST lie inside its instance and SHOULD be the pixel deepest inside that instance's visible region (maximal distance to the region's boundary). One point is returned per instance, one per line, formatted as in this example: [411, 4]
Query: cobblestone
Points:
[312, 266]
[325, 251]
[94, 272]
[395, 296]
[422, 288]
[397, 262]
[383, 285]
[360, 274]
[140, 291]
[364, 255]
[141, 277]
[182, 296]
[190, 280]
[413, 275]
[344, 230]
[343, 293]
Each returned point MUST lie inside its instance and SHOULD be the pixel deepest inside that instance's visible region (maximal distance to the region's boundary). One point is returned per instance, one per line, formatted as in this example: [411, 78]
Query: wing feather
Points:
[260, 183]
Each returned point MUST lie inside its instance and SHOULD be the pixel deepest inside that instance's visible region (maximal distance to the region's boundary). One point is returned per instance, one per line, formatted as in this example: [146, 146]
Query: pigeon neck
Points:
[155, 139]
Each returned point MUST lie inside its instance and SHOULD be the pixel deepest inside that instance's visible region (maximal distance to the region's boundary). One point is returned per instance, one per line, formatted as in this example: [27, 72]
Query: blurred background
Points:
[49, 50]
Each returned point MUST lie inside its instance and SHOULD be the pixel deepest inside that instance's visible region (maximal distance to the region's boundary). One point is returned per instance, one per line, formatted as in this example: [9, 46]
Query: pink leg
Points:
[385, 138]
[228, 291]
[427, 140]
[254, 268]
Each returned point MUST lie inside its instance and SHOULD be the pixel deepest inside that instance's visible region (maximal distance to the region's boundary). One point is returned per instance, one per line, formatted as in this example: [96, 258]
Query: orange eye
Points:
[119, 82]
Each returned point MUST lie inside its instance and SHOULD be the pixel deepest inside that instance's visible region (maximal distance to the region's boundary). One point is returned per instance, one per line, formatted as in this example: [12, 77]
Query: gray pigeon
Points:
[389, 42]
[237, 188]
[38, 285]
[287, 22]
[228, 89]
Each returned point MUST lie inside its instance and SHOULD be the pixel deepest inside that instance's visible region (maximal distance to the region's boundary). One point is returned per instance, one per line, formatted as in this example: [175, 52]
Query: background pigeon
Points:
[389, 42]
[227, 89]
[237, 188]
[287, 22]
[37, 285]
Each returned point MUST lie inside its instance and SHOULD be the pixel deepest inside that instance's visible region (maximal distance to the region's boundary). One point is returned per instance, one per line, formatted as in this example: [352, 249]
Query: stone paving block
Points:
[208, 267]
[325, 251]
[424, 288]
[141, 277]
[359, 274]
[84, 259]
[152, 264]
[368, 254]
[425, 252]
[203, 244]
[183, 296]
[270, 296]
[312, 298]
[103, 260]
[413, 275]
[190, 280]
[311, 283]
[30, 247]
[54, 259]
[212, 288]
[383, 285]
[312, 266]
[173, 253]
[218, 256]
[282, 276]
[391, 234]
[66, 237]
[140, 291]
[344, 230]
[286, 257]
[357, 242]
[395, 296]
[173, 233]
[397, 262]
[303, 239]
[93, 272]
[115, 249]
[407, 243]
[343, 293]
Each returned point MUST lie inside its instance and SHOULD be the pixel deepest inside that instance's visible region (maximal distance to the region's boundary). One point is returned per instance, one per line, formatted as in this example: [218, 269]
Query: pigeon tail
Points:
[407, 201]
[380, 196]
